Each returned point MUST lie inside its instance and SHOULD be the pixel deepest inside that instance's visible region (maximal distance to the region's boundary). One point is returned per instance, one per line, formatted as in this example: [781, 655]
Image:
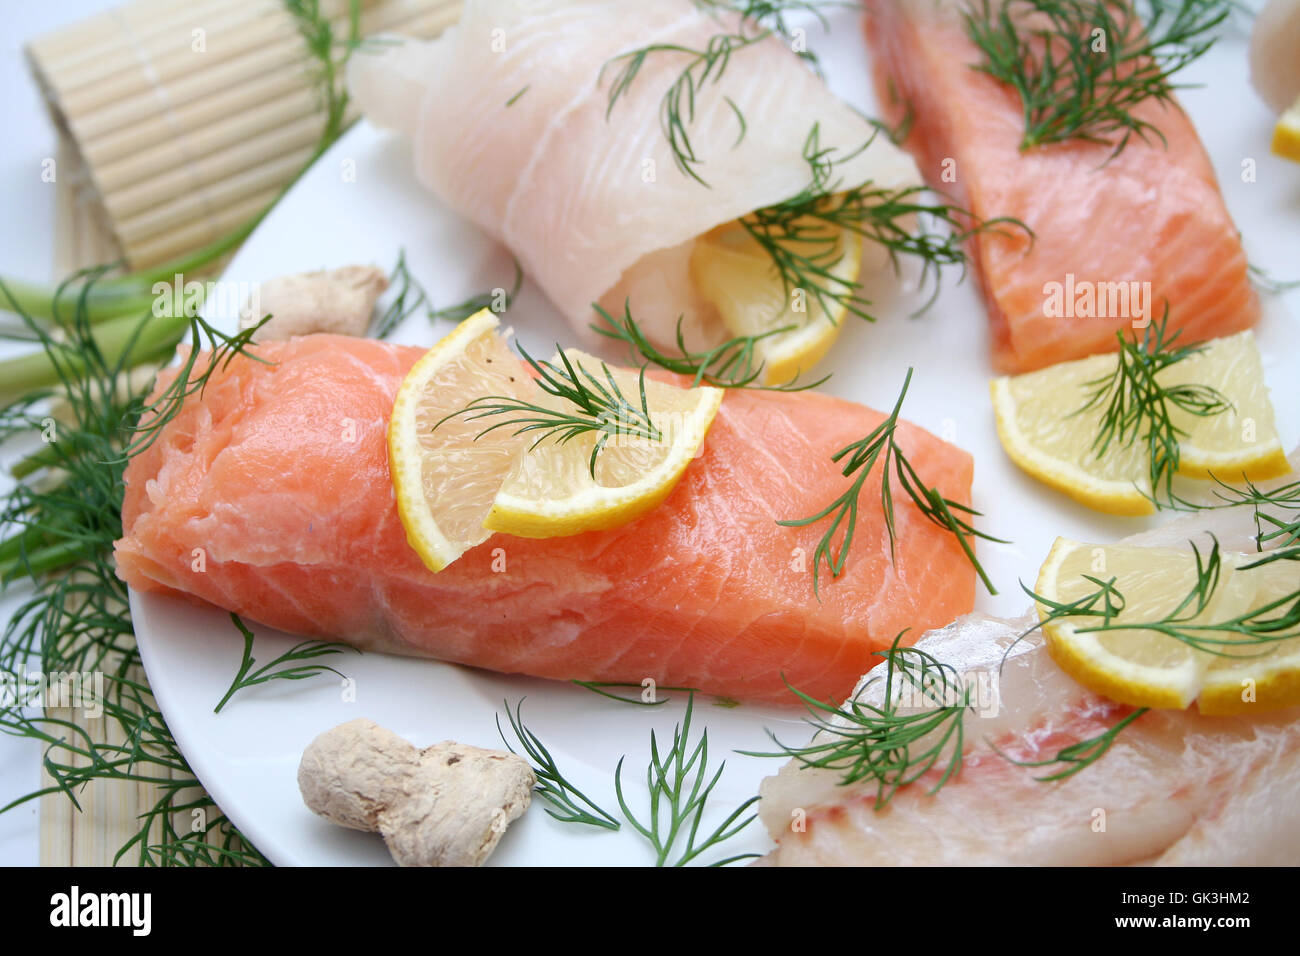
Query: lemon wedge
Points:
[551, 489]
[1042, 429]
[445, 478]
[457, 479]
[1145, 667]
[733, 272]
[1286, 134]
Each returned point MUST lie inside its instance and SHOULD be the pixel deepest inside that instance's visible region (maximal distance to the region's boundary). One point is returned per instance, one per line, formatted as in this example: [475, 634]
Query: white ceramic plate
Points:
[361, 203]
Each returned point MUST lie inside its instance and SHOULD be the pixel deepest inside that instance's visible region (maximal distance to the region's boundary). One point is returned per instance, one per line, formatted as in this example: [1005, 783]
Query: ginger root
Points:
[334, 300]
[446, 805]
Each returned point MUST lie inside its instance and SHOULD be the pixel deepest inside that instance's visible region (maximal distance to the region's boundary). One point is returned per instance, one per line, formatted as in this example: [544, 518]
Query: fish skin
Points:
[585, 195]
[300, 531]
[1176, 788]
[1153, 213]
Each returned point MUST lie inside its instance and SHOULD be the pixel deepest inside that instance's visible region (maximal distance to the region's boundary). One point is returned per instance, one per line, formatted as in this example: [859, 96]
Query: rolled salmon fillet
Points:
[512, 125]
[1115, 239]
[269, 494]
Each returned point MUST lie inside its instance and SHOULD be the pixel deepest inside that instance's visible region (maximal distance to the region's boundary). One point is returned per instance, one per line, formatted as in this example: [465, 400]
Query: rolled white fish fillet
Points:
[507, 114]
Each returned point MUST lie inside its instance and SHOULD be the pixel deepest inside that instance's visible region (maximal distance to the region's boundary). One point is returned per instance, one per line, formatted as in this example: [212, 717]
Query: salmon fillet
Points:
[1153, 214]
[269, 495]
[1175, 788]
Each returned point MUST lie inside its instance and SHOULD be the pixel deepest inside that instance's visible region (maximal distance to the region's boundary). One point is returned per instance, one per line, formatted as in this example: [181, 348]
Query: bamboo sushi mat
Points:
[178, 121]
[189, 116]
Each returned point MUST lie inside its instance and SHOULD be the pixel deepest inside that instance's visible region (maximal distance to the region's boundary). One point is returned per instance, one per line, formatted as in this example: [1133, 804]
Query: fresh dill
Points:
[917, 727]
[757, 21]
[677, 107]
[514, 99]
[498, 300]
[293, 664]
[647, 698]
[568, 804]
[730, 364]
[1106, 602]
[679, 786]
[862, 456]
[803, 235]
[1277, 510]
[328, 54]
[586, 406]
[410, 296]
[1136, 406]
[1082, 67]
[205, 340]
[1079, 756]
[1269, 284]
[60, 521]
[65, 512]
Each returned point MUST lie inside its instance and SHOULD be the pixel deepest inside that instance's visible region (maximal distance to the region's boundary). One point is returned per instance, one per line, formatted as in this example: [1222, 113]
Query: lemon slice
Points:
[1147, 668]
[457, 479]
[1286, 135]
[733, 272]
[1258, 677]
[551, 490]
[1043, 431]
[1243, 441]
[445, 479]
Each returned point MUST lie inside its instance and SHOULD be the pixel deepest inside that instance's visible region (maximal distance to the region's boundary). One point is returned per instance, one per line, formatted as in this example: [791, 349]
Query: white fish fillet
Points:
[593, 206]
[1174, 789]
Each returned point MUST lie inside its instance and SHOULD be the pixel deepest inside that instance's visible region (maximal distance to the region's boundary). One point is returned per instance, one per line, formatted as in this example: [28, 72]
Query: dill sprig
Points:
[702, 68]
[1081, 67]
[568, 803]
[602, 688]
[1106, 602]
[498, 300]
[803, 235]
[587, 405]
[1081, 755]
[1279, 529]
[730, 364]
[1137, 406]
[1269, 284]
[410, 296]
[220, 350]
[65, 515]
[679, 787]
[677, 108]
[328, 54]
[862, 456]
[917, 727]
[293, 664]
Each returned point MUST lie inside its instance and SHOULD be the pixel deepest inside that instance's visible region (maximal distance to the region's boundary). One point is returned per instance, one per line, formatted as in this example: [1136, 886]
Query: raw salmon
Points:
[269, 495]
[1152, 215]
[510, 117]
[1174, 789]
